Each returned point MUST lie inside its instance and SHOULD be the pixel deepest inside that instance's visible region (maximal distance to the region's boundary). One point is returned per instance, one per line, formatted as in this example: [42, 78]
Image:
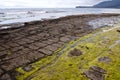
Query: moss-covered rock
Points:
[60, 66]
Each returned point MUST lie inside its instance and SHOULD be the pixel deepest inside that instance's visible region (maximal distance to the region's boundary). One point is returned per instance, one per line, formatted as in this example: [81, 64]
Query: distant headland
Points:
[104, 4]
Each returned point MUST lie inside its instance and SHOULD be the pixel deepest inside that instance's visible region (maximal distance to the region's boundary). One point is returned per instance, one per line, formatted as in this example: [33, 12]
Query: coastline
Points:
[21, 24]
[27, 15]
[42, 38]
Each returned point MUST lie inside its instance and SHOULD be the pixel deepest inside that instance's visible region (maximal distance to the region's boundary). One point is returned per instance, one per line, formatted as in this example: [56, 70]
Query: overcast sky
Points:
[45, 3]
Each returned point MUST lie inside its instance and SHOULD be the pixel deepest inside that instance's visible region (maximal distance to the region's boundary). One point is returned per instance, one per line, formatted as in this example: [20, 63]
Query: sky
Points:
[46, 3]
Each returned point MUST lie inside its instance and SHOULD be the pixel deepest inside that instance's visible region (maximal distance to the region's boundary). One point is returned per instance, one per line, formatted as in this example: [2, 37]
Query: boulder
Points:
[95, 73]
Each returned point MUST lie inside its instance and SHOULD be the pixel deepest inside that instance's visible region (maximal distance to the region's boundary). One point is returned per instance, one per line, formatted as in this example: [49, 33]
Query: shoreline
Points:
[42, 38]
[22, 24]
[28, 15]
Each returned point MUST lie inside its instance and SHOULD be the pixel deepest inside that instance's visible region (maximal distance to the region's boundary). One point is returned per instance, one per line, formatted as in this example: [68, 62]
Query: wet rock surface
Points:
[95, 73]
[35, 40]
[101, 22]
[11, 26]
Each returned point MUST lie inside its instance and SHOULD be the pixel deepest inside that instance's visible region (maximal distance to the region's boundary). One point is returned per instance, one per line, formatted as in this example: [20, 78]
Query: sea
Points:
[21, 15]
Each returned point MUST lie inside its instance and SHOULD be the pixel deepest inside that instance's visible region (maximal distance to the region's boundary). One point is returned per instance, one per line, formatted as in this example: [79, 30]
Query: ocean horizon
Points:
[21, 15]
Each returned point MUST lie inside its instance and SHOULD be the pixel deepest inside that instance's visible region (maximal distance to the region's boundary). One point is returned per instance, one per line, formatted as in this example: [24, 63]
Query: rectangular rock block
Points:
[51, 48]
[45, 51]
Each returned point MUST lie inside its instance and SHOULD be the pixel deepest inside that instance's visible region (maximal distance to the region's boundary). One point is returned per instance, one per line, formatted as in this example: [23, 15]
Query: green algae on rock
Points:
[63, 67]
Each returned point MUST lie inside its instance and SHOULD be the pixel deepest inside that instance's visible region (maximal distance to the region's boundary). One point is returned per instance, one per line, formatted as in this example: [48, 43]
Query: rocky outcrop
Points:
[35, 40]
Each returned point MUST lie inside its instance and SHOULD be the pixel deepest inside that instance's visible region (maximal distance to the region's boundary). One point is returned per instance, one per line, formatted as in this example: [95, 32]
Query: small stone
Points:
[75, 52]
[104, 59]
[27, 68]
[118, 31]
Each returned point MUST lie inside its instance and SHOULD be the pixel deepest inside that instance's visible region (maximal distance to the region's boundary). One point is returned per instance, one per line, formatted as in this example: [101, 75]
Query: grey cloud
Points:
[46, 3]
